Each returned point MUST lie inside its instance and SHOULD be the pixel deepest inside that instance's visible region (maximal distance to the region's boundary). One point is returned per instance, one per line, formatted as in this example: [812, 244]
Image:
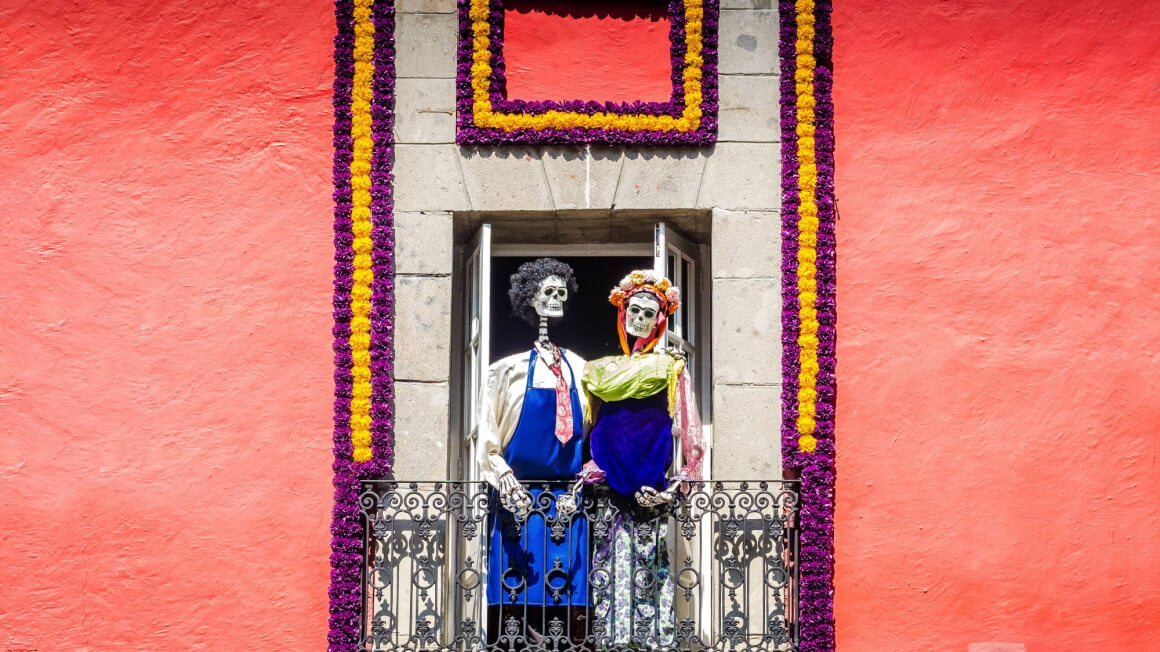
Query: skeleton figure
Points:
[644, 301]
[531, 432]
[548, 302]
[646, 406]
[640, 320]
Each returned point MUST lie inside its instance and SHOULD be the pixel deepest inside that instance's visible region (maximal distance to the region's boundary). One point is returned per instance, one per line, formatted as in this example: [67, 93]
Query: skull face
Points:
[640, 316]
[550, 298]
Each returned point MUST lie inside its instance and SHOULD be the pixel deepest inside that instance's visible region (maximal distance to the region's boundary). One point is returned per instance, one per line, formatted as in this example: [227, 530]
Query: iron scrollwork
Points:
[718, 570]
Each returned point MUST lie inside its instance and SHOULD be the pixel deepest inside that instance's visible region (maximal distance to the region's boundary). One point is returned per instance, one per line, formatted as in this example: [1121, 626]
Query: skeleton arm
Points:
[687, 426]
[493, 469]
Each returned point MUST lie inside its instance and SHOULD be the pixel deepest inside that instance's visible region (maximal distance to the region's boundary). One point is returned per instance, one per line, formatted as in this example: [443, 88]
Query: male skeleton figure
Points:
[532, 430]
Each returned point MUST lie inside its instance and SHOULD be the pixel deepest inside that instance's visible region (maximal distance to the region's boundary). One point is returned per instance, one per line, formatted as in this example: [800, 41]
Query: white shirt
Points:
[503, 401]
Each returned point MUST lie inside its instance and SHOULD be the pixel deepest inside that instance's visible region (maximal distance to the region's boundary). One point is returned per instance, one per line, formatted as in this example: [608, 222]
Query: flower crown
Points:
[648, 281]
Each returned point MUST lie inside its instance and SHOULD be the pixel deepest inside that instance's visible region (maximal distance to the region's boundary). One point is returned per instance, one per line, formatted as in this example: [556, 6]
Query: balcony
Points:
[716, 570]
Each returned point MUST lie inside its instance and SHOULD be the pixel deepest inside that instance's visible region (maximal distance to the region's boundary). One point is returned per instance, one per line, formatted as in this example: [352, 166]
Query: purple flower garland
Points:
[345, 545]
[816, 469]
[383, 247]
[468, 133]
[816, 595]
[346, 559]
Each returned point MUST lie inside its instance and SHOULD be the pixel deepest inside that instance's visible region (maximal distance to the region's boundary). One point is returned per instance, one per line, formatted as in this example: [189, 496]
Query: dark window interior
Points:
[589, 324]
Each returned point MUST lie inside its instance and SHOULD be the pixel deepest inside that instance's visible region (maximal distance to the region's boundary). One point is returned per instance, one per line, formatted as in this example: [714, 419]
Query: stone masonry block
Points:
[425, 6]
[425, 45]
[427, 177]
[746, 331]
[742, 175]
[423, 243]
[747, 4]
[525, 230]
[582, 178]
[746, 244]
[425, 111]
[749, 109]
[421, 431]
[583, 227]
[505, 179]
[660, 178]
[422, 328]
[748, 42]
[746, 432]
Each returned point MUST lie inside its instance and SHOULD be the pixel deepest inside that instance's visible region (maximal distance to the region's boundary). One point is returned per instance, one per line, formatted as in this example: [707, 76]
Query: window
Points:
[487, 330]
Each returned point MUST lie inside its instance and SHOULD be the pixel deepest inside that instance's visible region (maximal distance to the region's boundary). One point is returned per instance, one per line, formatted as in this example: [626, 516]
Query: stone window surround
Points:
[744, 318]
[733, 185]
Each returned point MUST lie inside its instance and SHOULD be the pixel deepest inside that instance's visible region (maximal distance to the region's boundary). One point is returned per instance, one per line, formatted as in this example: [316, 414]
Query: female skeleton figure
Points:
[646, 406]
[532, 430]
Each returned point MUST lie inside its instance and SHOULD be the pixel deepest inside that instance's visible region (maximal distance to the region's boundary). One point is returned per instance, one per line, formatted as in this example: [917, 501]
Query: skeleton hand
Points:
[513, 496]
[569, 503]
[650, 497]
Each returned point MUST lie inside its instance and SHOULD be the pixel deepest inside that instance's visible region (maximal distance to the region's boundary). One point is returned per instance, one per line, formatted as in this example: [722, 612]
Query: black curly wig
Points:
[526, 282]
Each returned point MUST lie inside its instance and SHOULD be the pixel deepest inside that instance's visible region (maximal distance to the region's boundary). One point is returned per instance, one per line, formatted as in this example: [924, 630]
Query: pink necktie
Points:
[563, 398]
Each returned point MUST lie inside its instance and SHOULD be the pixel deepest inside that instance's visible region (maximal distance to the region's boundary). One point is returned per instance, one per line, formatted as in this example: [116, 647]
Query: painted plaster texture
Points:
[577, 38]
[999, 179]
[165, 363]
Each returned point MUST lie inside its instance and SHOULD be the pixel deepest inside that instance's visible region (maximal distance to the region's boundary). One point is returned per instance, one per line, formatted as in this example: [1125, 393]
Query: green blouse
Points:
[619, 377]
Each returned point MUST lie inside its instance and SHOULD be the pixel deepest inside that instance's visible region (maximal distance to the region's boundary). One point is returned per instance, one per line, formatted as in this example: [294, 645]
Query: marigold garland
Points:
[364, 55]
[808, 307]
[486, 117]
[807, 228]
[360, 216]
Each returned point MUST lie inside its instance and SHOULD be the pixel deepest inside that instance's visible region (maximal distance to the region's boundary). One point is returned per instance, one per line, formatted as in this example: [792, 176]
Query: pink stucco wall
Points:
[165, 368]
[999, 344]
[602, 50]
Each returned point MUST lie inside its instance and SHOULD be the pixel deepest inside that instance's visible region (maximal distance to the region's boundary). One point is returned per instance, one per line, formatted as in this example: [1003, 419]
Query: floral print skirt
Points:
[632, 585]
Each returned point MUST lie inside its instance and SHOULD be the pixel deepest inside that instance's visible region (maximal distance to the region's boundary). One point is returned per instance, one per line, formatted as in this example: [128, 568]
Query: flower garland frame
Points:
[487, 117]
[364, 90]
[364, 274]
[809, 314]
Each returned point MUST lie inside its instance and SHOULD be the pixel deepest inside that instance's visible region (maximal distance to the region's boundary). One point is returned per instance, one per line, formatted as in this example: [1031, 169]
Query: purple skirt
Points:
[632, 442]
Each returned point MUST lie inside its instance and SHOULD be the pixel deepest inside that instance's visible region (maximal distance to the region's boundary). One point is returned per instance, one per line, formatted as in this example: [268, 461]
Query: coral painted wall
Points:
[165, 318]
[999, 349]
[603, 50]
[165, 365]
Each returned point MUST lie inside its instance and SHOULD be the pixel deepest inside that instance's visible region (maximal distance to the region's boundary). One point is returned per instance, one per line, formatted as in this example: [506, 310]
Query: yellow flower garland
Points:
[807, 283]
[690, 119]
[360, 215]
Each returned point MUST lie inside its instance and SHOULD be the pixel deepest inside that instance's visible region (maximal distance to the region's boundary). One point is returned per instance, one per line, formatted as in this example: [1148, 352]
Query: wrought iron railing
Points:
[716, 570]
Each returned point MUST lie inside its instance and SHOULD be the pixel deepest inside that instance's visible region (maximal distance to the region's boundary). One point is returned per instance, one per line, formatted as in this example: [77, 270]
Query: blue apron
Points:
[526, 563]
